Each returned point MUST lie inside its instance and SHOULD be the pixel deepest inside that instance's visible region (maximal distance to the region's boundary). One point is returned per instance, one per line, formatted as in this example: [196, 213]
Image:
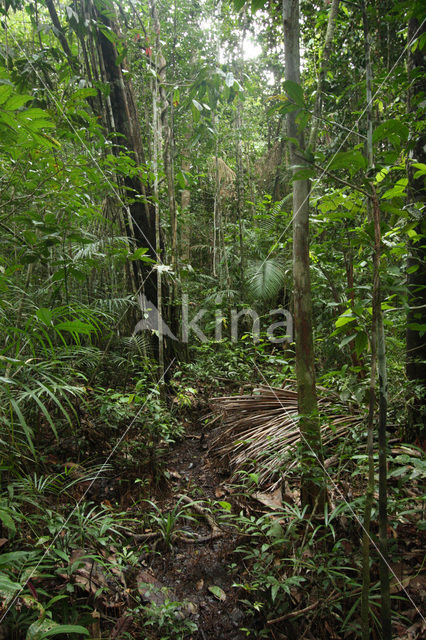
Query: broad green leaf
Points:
[239, 4]
[30, 236]
[340, 322]
[7, 521]
[361, 342]
[276, 531]
[391, 128]
[16, 102]
[413, 269]
[274, 591]
[257, 4]
[119, 59]
[195, 113]
[416, 326]
[217, 592]
[8, 588]
[46, 628]
[397, 191]
[287, 107]
[140, 254]
[109, 34]
[348, 339]
[181, 180]
[67, 628]
[85, 92]
[34, 113]
[5, 92]
[421, 169]
[294, 92]
[352, 160]
[9, 120]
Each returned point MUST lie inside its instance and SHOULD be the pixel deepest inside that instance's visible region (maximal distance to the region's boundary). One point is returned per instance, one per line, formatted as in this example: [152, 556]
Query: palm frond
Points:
[140, 343]
[265, 278]
[261, 429]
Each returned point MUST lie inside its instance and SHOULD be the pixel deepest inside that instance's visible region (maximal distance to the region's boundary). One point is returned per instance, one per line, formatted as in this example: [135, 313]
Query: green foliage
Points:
[76, 387]
[265, 279]
[167, 618]
[169, 524]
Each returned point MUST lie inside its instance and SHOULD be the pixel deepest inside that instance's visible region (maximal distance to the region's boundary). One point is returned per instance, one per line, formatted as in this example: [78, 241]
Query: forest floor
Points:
[199, 572]
[152, 554]
[205, 576]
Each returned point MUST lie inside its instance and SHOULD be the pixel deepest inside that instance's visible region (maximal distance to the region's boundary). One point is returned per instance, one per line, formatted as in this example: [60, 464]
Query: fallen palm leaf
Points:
[261, 430]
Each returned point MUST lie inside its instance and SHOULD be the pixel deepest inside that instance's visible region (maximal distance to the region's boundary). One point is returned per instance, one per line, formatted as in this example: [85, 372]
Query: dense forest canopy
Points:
[213, 301]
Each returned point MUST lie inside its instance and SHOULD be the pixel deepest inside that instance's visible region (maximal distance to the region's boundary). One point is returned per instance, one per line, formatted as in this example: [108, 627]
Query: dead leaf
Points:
[151, 589]
[190, 609]
[200, 585]
[121, 626]
[219, 492]
[175, 475]
[217, 592]
[271, 500]
[90, 576]
[3, 541]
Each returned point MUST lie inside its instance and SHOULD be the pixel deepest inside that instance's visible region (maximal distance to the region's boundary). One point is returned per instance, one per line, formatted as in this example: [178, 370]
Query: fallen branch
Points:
[202, 512]
[298, 612]
[293, 614]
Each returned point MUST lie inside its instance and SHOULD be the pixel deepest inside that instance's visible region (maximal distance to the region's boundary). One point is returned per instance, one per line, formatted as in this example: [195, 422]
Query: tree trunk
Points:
[313, 493]
[325, 56]
[185, 227]
[379, 353]
[60, 32]
[157, 142]
[416, 264]
[126, 122]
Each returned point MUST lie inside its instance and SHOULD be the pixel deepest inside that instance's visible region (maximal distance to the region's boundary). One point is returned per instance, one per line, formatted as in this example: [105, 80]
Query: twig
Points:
[293, 614]
[298, 612]
[201, 539]
[199, 509]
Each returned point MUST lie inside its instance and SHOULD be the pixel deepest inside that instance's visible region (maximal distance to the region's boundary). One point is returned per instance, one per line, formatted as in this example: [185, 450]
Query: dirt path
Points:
[199, 572]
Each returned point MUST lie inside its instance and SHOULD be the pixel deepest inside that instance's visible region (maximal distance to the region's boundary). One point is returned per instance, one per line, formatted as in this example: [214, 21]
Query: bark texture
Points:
[313, 488]
[126, 122]
[416, 264]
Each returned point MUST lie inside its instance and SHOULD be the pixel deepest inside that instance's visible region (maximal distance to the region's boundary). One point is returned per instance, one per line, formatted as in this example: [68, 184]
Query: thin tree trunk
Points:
[60, 32]
[379, 339]
[157, 145]
[323, 63]
[185, 227]
[313, 492]
[216, 204]
[365, 594]
[126, 122]
[382, 441]
[416, 263]
[239, 149]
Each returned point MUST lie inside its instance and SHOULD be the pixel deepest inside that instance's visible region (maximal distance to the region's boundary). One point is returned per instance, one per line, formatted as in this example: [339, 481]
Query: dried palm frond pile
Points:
[261, 429]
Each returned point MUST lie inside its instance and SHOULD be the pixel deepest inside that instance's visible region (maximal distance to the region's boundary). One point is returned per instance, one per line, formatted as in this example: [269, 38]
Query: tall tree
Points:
[313, 489]
[416, 264]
